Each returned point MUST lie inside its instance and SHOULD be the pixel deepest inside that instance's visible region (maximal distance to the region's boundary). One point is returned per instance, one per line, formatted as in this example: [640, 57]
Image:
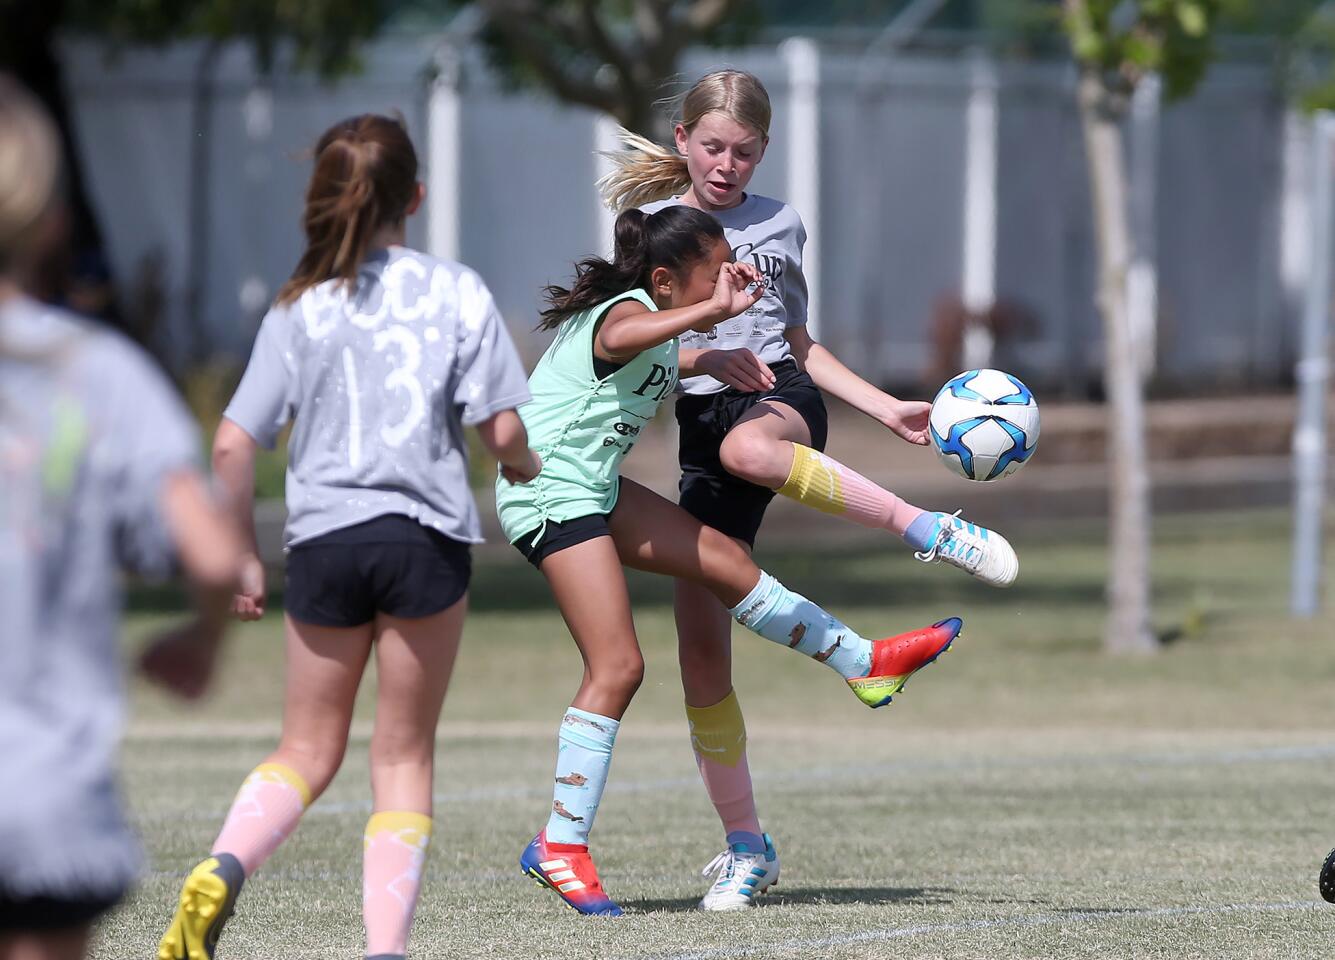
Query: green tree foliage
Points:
[325, 33]
[612, 55]
[1310, 46]
[1124, 41]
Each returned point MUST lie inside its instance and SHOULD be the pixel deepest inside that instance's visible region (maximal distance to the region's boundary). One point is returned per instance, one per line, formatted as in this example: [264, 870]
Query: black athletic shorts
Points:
[391, 564]
[710, 493]
[559, 535]
[52, 914]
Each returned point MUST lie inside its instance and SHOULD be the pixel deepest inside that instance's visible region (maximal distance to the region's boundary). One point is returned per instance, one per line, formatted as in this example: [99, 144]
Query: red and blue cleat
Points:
[568, 869]
[895, 659]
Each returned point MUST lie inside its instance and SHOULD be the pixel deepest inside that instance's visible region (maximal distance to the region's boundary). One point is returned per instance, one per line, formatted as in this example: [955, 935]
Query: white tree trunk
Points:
[1128, 626]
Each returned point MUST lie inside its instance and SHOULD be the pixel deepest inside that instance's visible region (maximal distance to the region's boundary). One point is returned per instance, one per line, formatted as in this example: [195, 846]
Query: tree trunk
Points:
[1128, 625]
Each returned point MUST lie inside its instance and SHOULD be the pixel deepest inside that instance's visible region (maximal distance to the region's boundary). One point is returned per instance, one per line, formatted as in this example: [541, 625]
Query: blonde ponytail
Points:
[643, 171]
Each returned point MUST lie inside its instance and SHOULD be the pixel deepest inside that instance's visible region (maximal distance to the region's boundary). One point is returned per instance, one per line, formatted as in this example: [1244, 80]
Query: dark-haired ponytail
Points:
[628, 237]
[365, 177]
[674, 237]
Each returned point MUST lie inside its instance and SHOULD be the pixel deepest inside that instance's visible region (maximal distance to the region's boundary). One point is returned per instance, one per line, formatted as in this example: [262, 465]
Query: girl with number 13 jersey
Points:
[381, 355]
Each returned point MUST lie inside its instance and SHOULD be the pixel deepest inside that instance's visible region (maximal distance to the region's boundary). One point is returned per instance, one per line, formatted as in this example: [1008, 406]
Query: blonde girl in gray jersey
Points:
[380, 356]
[98, 472]
[754, 424]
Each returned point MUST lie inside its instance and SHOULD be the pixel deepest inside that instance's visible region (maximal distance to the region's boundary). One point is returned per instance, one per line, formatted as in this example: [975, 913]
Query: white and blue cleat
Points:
[977, 550]
[743, 875]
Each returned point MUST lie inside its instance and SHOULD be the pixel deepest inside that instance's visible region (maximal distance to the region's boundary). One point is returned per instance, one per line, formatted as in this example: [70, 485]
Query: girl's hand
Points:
[182, 658]
[738, 368]
[730, 294]
[525, 471]
[908, 419]
[248, 601]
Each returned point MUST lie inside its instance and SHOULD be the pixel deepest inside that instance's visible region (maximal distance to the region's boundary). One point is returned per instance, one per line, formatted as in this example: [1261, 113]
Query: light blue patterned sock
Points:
[583, 754]
[778, 614]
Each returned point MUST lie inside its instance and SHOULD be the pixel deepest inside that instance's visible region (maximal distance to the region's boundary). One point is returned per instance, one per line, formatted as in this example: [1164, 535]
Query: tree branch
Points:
[602, 42]
[699, 18]
[704, 15]
[511, 20]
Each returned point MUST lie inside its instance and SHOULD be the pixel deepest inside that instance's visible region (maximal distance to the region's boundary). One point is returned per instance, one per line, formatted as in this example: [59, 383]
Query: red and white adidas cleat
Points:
[568, 869]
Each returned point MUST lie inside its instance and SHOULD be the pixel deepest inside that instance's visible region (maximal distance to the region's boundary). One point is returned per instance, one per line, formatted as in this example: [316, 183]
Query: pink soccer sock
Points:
[831, 487]
[265, 811]
[730, 791]
[718, 737]
[395, 849]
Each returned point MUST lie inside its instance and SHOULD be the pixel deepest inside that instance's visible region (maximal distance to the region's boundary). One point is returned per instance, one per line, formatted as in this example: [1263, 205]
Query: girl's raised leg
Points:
[769, 447]
[656, 535]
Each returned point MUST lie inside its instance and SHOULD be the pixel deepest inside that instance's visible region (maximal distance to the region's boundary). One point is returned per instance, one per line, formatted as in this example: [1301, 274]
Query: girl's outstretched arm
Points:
[906, 418]
[630, 327]
[234, 452]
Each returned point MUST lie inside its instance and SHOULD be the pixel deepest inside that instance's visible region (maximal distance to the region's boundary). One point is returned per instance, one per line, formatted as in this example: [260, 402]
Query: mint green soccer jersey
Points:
[581, 426]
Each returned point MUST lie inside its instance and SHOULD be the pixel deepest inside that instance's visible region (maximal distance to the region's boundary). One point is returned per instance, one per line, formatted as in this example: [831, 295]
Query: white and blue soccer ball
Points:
[984, 424]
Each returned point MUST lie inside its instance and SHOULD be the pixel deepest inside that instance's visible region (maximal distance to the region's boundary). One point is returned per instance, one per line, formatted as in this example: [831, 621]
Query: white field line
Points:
[885, 934]
[167, 731]
[815, 775]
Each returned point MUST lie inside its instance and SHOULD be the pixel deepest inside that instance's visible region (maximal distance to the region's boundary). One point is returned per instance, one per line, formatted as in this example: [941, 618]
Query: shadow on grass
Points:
[840, 580]
[816, 896]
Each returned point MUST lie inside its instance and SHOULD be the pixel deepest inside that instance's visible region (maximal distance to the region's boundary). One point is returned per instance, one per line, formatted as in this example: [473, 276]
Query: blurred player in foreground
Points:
[381, 355]
[98, 473]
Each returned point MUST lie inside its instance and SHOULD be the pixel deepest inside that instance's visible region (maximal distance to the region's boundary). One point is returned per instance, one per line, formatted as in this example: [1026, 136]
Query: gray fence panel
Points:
[891, 151]
[528, 204]
[1045, 253]
[1218, 194]
[911, 212]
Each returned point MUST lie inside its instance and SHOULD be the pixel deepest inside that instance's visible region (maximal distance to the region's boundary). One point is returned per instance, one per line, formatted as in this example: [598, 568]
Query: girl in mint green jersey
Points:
[614, 359]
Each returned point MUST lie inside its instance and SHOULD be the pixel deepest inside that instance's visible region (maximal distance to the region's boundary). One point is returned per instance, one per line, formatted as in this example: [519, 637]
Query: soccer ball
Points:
[984, 424]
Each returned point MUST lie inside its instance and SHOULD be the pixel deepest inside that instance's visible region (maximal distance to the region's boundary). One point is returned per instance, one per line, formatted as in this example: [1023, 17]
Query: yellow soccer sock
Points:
[718, 736]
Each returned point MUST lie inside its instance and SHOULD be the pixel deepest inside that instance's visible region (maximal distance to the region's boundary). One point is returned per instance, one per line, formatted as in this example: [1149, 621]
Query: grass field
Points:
[1028, 797]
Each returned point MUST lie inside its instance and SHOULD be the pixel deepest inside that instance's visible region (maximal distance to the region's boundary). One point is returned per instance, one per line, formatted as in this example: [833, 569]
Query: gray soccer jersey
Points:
[768, 234]
[89, 431]
[380, 379]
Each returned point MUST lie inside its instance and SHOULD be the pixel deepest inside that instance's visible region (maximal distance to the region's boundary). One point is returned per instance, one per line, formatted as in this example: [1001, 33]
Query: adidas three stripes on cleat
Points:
[977, 550]
[743, 875]
[568, 870]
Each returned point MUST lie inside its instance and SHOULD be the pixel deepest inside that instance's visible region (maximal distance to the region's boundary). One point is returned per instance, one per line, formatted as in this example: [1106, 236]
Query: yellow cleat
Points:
[207, 898]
